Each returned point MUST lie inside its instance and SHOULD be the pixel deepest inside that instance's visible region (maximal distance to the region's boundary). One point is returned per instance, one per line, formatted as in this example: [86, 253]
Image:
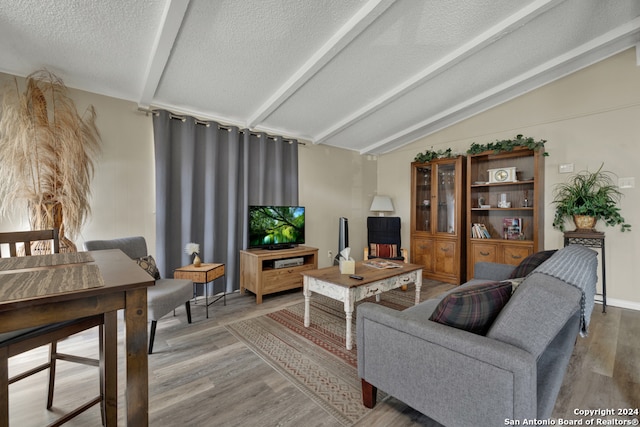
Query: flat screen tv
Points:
[276, 227]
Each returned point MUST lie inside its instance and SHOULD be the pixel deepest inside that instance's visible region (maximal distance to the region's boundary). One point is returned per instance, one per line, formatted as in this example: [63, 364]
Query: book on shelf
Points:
[512, 228]
[479, 231]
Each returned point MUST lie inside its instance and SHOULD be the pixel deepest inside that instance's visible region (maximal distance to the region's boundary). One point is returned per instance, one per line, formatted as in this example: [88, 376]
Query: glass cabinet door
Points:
[423, 198]
[446, 188]
[438, 233]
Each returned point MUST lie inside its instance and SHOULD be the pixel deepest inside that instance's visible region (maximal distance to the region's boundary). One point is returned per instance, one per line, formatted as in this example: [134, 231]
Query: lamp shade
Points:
[381, 204]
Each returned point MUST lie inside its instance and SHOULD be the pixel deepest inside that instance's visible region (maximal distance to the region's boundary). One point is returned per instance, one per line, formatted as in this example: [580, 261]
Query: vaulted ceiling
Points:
[365, 75]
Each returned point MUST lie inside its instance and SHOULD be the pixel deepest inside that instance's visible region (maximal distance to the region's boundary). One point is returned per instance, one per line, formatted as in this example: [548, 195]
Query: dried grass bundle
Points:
[47, 154]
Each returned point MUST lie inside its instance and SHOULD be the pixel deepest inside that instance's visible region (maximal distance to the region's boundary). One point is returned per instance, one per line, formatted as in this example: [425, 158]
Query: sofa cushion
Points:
[491, 271]
[473, 308]
[148, 264]
[422, 312]
[540, 300]
[380, 250]
[530, 263]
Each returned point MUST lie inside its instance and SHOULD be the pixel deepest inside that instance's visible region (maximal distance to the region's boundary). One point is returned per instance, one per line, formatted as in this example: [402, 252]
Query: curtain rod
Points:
[148, 111]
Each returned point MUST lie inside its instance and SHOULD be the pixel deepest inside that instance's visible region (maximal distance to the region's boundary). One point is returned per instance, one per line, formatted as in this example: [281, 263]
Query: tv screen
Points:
[276, 226]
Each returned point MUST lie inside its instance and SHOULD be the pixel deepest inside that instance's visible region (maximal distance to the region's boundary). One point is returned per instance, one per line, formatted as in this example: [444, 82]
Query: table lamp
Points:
[381, 204]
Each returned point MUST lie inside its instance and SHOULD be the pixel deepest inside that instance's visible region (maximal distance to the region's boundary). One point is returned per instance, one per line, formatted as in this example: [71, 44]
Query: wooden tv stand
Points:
[258, 274]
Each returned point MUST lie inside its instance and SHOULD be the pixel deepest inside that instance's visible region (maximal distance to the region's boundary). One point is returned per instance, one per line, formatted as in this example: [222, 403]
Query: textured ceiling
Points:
[369, 76]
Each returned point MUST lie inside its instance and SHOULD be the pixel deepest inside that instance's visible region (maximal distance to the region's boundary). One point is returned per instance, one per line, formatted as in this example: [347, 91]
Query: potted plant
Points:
[588, 194]
[47, 154]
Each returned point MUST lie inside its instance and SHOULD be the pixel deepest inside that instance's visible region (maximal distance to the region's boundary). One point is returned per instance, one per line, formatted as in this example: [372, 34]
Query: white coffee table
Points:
[330, 283]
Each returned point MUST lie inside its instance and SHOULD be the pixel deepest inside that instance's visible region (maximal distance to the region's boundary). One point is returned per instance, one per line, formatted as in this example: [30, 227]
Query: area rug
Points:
[315, 359]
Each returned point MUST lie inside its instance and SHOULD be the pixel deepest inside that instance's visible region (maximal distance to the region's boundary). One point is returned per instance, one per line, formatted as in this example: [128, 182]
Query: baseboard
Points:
[631, 305]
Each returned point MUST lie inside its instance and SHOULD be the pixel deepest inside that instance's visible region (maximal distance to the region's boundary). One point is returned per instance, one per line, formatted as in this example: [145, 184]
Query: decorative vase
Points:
[584, 222]
[44, 216]
[196, 261]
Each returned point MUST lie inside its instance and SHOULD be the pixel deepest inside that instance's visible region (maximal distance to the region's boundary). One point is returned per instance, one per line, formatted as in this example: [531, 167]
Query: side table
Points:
[590, 239]
[203, 274]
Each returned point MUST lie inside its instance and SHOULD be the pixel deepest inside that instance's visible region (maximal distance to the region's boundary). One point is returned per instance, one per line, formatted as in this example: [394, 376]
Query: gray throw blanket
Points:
[574, 265]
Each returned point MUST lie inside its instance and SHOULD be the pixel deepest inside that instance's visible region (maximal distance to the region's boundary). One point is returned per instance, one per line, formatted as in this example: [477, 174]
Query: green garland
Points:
[499, 146]
[508, 145]
[429, 155]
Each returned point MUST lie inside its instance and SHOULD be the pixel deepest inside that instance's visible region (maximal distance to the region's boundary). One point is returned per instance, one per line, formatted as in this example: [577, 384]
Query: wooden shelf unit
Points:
[529, 166]
[438, 226]
[258, 275]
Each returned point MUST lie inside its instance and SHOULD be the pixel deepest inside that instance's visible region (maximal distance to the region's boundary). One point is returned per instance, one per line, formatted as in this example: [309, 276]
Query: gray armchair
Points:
[162, 298]
[459, 378]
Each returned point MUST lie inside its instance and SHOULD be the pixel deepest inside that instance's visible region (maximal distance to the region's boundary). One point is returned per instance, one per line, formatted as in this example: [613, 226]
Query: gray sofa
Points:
[459, 378]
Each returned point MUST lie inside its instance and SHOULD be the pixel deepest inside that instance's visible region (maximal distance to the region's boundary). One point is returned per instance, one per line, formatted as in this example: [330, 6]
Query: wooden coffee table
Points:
[330, 283]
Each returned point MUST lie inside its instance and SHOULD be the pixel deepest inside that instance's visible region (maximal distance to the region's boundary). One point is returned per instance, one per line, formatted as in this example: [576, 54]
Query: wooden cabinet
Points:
[483, 252]
[422, 254]
[438, 231]
[265, 271]
[509, 206]
[446, 257]
[513, 253]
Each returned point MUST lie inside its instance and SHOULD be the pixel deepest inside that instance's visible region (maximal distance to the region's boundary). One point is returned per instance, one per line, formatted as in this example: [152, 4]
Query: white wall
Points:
[589, 117]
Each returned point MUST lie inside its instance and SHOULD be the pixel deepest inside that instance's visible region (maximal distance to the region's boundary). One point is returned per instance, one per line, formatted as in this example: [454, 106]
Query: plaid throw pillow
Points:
[473, 308]
[148, 264]
[530, 263]
[383, 250]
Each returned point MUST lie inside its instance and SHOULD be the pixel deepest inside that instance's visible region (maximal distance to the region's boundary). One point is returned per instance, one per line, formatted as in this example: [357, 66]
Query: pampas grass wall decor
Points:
[47, 155]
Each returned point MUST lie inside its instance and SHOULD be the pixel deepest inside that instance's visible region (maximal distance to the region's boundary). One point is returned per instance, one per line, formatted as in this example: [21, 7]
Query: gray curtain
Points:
[206, 178]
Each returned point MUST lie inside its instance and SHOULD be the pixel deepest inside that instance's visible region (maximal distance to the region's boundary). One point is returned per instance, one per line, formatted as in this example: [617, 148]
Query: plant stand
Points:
[590, 239]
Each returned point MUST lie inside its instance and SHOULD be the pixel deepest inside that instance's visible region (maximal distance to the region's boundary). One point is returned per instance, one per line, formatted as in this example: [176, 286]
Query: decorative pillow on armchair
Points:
[383, 250]
[530, 263]
[473, 308]
[148, 264]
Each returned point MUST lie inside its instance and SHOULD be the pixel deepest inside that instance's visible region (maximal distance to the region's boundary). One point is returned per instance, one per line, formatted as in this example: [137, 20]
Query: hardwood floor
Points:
[201, 375]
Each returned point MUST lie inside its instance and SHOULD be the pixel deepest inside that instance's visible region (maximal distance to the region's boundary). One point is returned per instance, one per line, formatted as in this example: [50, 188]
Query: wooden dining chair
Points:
[23, 340]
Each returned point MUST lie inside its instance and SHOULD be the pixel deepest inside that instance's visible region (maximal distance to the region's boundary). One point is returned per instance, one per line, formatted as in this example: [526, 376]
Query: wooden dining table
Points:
[54, 289]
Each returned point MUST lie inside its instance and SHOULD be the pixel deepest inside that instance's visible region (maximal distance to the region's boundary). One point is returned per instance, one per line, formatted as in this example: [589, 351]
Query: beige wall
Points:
[589, 117]
[333, 182]
[123, 199]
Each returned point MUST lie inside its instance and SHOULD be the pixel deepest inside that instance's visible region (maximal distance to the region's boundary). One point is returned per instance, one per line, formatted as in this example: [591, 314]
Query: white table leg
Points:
[307, 299]
[348, 310]
[418, 285]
